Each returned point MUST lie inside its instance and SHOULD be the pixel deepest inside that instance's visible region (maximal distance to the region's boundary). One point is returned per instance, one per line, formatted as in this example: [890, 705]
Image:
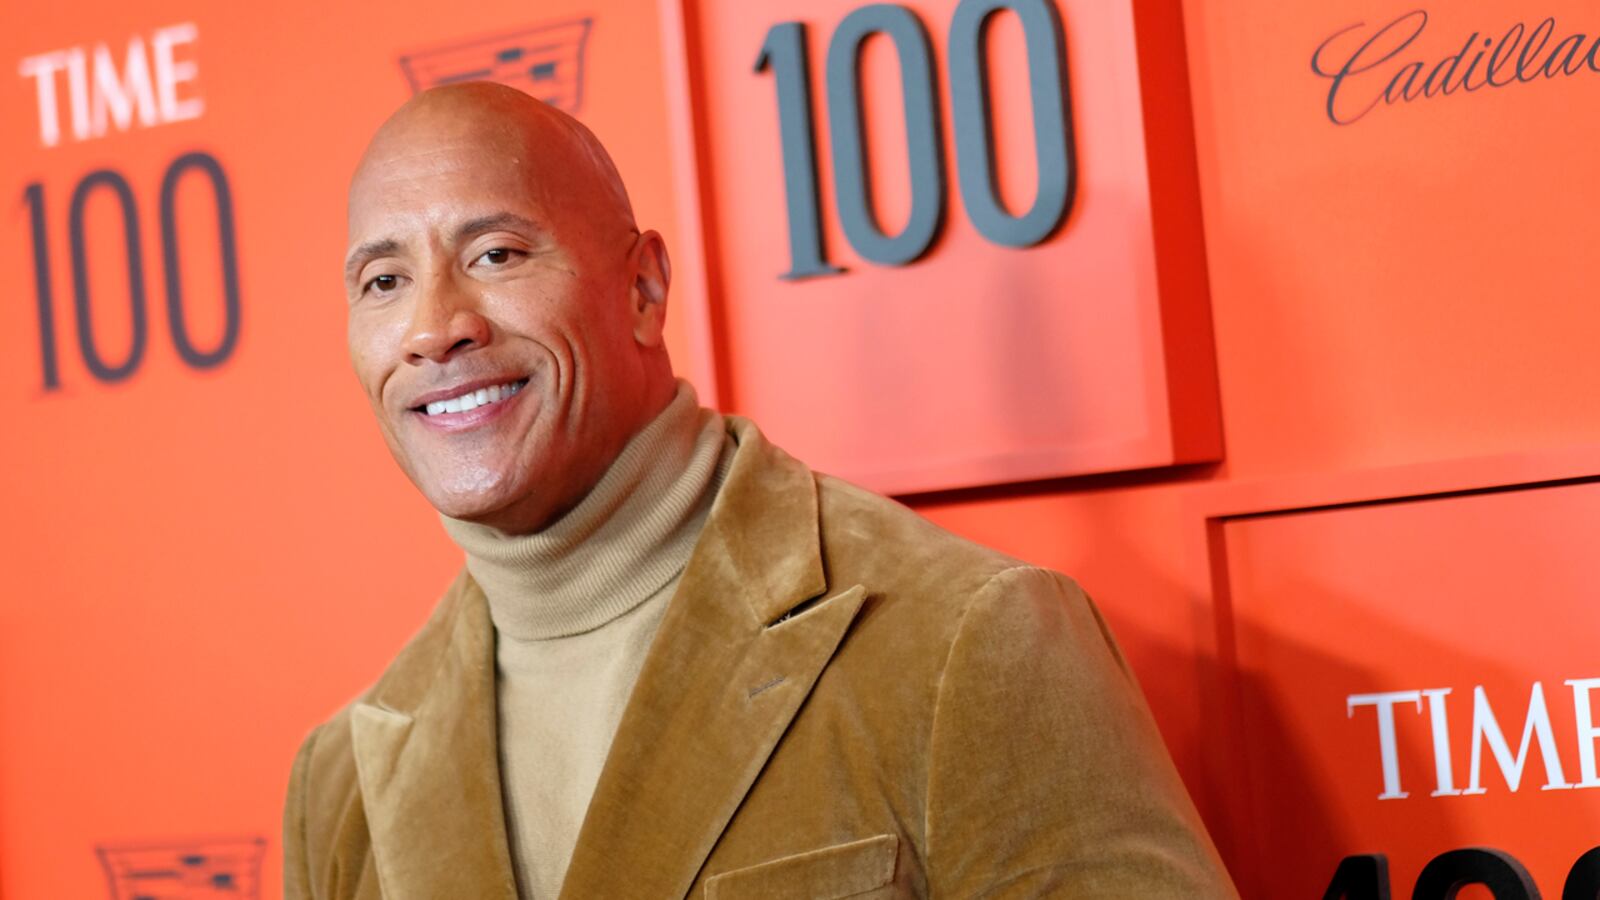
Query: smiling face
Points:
[505, 316]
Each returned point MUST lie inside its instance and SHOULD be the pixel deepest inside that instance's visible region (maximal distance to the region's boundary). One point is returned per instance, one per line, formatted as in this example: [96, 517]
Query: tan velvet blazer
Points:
[843, 700]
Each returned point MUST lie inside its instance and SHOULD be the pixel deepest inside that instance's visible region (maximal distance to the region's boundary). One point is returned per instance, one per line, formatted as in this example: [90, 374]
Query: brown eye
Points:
[498, 256]
[383, 283]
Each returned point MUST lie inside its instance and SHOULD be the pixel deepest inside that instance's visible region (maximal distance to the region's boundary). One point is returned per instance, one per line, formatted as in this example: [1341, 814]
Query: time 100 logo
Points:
[103, 366]
[786, 54]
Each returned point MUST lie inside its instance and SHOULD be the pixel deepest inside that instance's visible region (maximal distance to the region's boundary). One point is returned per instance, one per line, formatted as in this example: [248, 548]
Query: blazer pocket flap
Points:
[828, 873]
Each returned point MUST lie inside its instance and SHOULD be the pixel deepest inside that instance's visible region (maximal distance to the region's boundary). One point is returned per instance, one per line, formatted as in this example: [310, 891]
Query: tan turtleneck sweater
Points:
[575, 607]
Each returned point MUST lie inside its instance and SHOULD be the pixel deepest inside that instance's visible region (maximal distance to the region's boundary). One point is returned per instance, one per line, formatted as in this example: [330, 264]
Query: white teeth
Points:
[473, 399]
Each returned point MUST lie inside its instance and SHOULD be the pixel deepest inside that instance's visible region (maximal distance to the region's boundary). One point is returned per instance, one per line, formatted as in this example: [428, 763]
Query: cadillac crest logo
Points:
[545, 61]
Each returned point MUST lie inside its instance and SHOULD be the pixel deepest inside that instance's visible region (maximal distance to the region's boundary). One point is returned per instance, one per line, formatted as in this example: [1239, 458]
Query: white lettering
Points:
[121, 96]
[171, 73]
[42, 69]
[1484, 725]
[152, 86]
[1443, 769]
[1388, 752]
[78, 93]
[1583, 714]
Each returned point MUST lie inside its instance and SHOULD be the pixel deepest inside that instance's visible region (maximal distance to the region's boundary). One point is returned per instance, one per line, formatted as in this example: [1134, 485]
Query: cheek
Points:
[542, 317]
[361, 361]
[557, 299]
[373, 348]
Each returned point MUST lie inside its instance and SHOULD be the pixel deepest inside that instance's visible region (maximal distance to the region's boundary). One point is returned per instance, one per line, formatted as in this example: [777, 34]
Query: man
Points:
[678, 662]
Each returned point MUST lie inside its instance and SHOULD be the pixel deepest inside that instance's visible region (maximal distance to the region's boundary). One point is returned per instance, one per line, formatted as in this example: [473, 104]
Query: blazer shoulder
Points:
[325, 765]
[324, 772]
[324, 790]
[871, 539]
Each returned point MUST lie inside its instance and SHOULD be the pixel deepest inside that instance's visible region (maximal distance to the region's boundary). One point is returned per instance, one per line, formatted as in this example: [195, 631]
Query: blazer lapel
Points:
[426, 756]
[730, 667]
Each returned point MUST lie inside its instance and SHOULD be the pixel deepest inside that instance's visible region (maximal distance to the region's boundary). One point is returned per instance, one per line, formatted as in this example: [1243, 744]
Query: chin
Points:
[467, 509]
[472, 497]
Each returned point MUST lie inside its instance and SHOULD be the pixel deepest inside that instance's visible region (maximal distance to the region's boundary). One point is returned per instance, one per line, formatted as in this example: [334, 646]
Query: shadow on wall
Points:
[1284, 802]
[1252, 702]
[1252, 681]
[1250, 769]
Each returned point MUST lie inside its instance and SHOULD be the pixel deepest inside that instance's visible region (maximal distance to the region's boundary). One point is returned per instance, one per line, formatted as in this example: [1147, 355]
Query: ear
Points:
[647, 298]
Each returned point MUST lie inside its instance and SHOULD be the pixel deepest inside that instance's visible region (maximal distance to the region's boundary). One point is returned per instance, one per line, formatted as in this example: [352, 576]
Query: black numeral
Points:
[176, 321]
[1444, 876]
[177, 318]
[43, 291]
[1360, 878]
[786, 53]
[1052, 135]
[1367, 877]
[851, 187]
[1583, 882]
[98, 367]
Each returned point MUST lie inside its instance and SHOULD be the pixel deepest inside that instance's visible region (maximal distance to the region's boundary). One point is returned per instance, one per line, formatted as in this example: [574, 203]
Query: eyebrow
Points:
[370, 250]
[474, 227]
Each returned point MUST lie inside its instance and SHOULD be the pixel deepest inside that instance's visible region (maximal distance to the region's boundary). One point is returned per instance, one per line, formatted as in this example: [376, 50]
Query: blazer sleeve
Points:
[1047, 776]
[296, 867]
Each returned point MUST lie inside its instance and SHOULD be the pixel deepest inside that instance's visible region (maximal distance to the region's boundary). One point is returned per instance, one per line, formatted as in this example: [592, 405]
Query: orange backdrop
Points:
[1301, 389]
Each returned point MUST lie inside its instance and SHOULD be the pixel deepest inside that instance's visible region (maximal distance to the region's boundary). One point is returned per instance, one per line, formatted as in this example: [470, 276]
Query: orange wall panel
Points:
[1407, 287]
[1336, 617]
[975, 361]
[201, 563]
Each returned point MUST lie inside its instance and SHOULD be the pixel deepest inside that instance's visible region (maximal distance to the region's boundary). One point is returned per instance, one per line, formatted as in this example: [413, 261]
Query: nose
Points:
[445, 322]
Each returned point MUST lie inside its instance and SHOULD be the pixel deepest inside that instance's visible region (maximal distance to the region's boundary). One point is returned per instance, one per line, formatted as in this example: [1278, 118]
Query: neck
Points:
[545, 507]
[625, 539]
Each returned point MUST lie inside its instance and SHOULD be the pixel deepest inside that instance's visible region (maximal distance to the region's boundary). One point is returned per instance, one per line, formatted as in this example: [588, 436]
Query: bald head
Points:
[506, 313]
[547, 144]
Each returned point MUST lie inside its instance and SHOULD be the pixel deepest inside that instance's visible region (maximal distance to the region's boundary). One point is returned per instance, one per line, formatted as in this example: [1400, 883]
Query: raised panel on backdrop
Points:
[954, 242]
[1413, 690]
[208, 550]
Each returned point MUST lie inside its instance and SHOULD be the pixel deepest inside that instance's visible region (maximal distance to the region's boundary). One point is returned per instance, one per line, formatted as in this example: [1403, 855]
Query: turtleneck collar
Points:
[625, 541]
